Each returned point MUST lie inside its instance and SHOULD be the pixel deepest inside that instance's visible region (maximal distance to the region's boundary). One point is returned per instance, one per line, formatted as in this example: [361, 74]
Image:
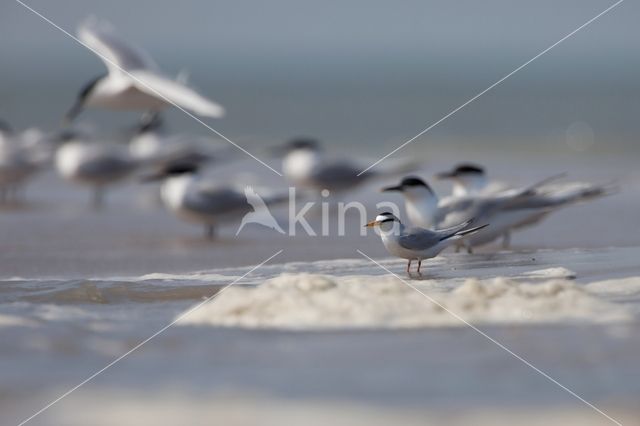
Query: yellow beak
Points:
[372, 224]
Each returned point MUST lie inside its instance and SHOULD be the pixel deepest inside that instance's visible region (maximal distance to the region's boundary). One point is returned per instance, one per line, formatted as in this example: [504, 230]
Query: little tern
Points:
[133, 81]
[505, 210]
[196, 200]
[418, 243]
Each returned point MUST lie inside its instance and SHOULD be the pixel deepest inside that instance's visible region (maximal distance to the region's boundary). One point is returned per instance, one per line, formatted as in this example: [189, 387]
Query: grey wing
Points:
[218, 201]
[418, 239]
[478, 208]
[454, 211]
[107, 167]
[116, 53]
[338, 176]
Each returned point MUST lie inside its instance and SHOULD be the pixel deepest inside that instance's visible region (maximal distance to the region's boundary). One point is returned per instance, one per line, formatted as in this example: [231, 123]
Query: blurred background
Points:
[79, 288]
[362, 73]
[361, 76]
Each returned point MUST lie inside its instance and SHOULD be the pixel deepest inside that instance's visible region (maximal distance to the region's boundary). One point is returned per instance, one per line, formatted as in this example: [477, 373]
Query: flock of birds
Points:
[479, 211]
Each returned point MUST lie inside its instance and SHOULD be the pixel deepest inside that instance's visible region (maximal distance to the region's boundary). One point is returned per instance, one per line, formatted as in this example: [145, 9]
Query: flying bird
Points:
[133, 80]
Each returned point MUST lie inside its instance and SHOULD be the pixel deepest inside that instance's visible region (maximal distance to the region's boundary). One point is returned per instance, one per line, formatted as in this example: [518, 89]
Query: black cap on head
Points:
[409, 182]
[304, 143]
[173, 169]
[468, 168]
[149, 122]
[463, 169]
[180, 169]
[413, 181]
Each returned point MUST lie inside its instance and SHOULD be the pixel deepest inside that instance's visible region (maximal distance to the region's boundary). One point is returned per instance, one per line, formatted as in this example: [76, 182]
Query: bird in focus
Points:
[418, 243]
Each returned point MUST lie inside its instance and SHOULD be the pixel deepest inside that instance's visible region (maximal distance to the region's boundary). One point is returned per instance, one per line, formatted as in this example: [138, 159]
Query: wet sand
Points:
[79, 289]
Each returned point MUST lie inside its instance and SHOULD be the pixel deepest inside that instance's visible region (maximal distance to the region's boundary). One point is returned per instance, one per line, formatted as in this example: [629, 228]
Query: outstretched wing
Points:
[115, 52]
[176, 93]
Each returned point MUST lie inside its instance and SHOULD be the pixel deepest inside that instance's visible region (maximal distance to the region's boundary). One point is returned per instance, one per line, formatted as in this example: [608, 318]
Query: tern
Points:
[21, 156]
[196, 200]
[468, 179]
[151, 144]
[307, 168]
[95, 164]
[505, 211]
[133, 81]
[471, 179]
[418, 243]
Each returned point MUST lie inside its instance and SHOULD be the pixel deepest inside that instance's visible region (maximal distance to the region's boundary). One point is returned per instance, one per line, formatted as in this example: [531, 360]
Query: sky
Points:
[348, 70]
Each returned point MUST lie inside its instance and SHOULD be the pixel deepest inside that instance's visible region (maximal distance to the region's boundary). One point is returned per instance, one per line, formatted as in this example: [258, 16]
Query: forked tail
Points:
[461, 234]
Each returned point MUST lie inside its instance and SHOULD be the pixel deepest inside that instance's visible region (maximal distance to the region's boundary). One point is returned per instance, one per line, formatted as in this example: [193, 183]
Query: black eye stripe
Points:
[387, 220]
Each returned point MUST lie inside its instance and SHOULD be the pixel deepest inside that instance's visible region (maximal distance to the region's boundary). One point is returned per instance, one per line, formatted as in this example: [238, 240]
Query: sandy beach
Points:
[320, 326]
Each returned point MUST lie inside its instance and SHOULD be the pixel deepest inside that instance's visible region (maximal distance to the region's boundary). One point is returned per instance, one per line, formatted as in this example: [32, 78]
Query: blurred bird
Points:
[133, 81]
[147, 140]
[418, 243]
[95, 164]
[504, 211]
[306, 167]
[150, 143]
[196, 200]
[471, 179]
[21, 156]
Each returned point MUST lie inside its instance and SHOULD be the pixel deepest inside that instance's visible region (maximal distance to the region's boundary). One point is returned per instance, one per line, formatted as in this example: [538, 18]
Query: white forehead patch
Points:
[381, 217]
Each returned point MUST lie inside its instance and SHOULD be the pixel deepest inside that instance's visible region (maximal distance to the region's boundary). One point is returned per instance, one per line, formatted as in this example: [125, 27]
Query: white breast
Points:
[175, 190]
[298, 165]
[69, 157]
[118, 92]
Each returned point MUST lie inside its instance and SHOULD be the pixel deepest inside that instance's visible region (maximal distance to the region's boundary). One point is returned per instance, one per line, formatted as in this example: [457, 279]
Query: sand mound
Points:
[304, 301]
